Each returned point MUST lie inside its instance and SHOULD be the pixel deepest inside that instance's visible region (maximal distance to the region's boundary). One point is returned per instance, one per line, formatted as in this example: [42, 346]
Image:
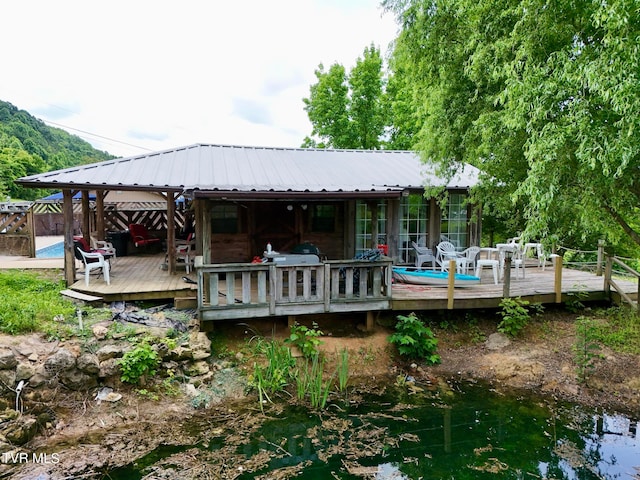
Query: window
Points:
[363, 225]
[414, 222]
[323, 218]
[454, 220]
[224, 219]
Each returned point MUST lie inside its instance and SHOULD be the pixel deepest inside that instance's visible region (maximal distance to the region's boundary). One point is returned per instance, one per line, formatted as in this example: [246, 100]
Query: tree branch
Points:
[635, 236]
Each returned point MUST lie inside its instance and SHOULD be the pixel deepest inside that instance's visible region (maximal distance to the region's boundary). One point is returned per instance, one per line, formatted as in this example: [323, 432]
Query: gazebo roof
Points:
[218, 170]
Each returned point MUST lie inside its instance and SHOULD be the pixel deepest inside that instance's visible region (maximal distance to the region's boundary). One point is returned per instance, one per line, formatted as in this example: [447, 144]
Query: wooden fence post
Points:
[600, 258]
[557, 265]
[607, 276]
[452, 283]
[506, 276]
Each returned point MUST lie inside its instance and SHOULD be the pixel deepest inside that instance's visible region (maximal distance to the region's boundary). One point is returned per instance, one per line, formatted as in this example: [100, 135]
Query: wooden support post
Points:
[171, 232]
[557, 265]
[600, 258]
[607, 276]
[370, 321]
[86, 217]
[69, 255]
[506, 277]
[452, 283]
[100, 194]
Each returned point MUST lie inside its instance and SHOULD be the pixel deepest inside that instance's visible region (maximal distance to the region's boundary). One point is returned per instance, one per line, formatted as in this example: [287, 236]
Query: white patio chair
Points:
[424, 254]
[94, 261]
[467, 259]
[445, 252]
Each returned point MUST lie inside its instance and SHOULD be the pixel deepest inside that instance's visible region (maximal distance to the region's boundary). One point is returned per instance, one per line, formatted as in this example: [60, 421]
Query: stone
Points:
[88, 363]
[24, 371]
[109, 368]
[7, 380]
[197, 368]
[21, 430]
[200, 341]
[181, 353]
[76, 380]
[110, 351]
[7, 359]
[497, 341]
[60, 361]
[100, 332]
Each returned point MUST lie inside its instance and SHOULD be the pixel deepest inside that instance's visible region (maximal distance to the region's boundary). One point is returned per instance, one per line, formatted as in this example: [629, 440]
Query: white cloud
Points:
[160, 74]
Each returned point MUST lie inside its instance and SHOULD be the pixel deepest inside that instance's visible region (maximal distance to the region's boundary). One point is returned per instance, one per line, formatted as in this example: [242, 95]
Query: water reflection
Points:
[471, 434]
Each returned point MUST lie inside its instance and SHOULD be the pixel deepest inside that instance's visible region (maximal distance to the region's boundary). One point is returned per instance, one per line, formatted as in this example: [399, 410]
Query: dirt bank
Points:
[86, 435]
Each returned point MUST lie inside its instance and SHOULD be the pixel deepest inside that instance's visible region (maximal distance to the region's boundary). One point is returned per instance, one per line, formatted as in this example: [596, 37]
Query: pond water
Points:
[470, 433]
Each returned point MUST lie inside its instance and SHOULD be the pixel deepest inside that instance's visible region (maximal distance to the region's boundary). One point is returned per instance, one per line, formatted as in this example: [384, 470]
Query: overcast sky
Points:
[161, 74]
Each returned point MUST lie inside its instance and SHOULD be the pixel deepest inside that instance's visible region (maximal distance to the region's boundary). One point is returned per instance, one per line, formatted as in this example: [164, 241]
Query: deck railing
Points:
[610, 283]
[241, 290]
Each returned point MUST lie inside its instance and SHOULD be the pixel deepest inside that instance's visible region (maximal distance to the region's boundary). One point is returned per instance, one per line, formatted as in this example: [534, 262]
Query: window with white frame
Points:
[453, 227]
[414, 222]
[364, 226]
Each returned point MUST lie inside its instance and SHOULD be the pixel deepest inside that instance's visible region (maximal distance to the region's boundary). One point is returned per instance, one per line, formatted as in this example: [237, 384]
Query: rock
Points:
[24, 371]
[76, 380]
[200, 341]
[109, 368]
[181, 353]
[197, 368]
[60, 361]
[88, 363]
[7, 359]
[33, 357]
[110, 351]
[7, 379]
[21, 430]
[497, 341]
[100, 332]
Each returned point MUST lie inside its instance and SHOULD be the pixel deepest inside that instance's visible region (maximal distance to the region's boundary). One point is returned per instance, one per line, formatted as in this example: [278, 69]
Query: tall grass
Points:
[343, 369]
[30, 303]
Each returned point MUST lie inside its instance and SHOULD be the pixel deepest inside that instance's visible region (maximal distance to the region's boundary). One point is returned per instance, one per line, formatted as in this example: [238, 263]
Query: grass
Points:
[32, 303]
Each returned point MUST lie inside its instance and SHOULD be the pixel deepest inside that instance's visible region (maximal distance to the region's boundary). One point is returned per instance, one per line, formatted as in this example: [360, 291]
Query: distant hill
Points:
[29, 146]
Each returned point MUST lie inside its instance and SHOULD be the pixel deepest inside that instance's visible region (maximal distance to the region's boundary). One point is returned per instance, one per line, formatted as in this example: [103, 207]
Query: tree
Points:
[348, 111]
[542, 97]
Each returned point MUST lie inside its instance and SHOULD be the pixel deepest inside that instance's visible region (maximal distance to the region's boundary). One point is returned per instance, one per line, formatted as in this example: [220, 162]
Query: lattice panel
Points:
[13, 222]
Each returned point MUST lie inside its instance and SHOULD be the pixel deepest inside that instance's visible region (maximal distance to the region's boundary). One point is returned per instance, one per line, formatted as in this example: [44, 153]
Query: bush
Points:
[306, 339]
[139, 362]
[515, 316]
[414, 339]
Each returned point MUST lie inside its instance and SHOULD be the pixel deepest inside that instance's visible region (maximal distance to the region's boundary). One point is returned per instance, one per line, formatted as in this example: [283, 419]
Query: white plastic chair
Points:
[94, 261]
[445, 252]
[467, 259]
[183, 255]
[424, 254]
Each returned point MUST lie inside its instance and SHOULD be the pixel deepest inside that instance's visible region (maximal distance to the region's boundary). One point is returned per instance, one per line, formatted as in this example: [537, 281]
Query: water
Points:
[52, 251]
[471, 434]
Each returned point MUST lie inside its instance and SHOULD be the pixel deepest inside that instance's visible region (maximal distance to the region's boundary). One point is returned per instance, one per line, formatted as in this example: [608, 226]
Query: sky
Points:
[133, 76]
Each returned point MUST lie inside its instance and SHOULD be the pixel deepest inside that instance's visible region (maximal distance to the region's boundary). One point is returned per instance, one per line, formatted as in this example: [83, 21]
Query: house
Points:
[341, 201]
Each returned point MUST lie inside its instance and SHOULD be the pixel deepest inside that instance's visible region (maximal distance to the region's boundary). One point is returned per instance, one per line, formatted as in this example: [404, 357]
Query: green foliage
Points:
[31, 303]
[312, 378]
[28, 146]
[306, 339]
[537, 95]
[348, 111]
[515, 316]
[142, 360]
[414, 339]
[618, 328]
[343, 369]
[574, 303]
[585, 348]
[275, 374]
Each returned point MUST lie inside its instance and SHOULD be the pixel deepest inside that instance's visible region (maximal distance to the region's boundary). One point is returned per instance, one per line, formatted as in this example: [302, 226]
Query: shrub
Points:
[305, 338]
[139, 362]
[515, 316]
[414, 339]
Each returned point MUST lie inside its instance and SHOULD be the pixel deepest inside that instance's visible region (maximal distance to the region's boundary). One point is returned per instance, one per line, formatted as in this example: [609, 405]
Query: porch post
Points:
[393, 227]
[100, 194]
[69, 257]
[205, 220]
[374, 223]
[171, 232]
[86, 217]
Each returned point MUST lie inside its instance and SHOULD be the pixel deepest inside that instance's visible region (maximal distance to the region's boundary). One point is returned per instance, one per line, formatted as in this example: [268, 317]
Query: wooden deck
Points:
[141, 277]
[138, 277]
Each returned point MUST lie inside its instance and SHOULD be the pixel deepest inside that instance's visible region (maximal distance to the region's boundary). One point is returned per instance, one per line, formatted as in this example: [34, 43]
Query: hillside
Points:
[29, 146]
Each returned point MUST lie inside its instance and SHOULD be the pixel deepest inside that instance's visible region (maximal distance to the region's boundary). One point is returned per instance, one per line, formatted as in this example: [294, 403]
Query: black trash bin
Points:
[119, 241]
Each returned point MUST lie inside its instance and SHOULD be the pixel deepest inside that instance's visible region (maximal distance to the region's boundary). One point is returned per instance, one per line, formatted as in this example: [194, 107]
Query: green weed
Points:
[414, 339]
[515, 316]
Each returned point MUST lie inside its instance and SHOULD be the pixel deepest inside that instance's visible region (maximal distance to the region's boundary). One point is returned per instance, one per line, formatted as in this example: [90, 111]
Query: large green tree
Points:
[542, 96]
[349, 110]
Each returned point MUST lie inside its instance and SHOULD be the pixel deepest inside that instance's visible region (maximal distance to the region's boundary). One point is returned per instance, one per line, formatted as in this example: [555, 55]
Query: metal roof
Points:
[216, 170]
